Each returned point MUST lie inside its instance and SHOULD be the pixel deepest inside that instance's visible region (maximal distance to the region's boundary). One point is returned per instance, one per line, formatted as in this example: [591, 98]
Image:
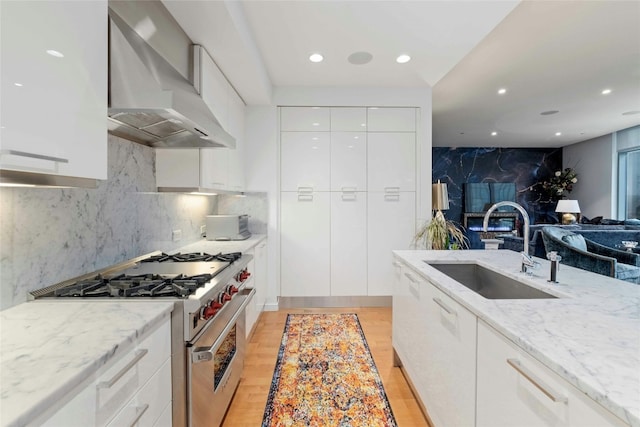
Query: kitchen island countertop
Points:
[49, 348]
[590, 335]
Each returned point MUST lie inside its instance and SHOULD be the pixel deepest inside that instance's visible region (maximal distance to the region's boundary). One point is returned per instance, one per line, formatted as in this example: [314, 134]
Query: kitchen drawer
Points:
[146, 407]
[124, 378]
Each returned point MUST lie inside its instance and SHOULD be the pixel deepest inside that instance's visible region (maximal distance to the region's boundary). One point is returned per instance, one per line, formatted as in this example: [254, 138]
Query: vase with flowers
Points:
[558, 186]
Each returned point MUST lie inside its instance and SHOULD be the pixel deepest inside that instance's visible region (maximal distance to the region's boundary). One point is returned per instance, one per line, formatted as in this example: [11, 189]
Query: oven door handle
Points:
[207, 355]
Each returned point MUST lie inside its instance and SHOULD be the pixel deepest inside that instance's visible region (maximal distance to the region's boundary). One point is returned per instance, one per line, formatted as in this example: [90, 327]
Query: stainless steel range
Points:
[207, 323]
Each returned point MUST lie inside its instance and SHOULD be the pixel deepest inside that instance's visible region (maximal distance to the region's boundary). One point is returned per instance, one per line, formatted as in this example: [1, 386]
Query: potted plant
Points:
[441, 233]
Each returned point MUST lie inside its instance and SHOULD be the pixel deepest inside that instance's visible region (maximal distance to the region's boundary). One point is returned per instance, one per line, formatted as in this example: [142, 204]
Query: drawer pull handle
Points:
[392, 190]
[305, 197]
[35, 156]
[396, 264]
[444, 306]
[392, 197]
[305, 189]
[139, 355]
[410, 277]
[540, 385]
[349, 197]
[349, 189]
[140, 410]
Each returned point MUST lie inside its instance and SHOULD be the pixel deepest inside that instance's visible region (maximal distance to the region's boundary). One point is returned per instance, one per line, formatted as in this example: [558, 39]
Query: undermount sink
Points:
[488, 283]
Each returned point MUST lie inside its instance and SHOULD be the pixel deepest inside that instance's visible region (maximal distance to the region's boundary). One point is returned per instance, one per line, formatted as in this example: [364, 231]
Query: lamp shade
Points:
[439, 196]
[570, 206]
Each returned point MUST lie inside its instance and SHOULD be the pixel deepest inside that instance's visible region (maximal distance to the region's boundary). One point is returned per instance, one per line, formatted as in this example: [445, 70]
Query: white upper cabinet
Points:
[348, 161]
[54, 87]
[213, 86]
[309, 119]
[214, 168]
[192, 167]
[349, 119]
[391, 119]
[305, 158]
[235, 179]
[391, 161]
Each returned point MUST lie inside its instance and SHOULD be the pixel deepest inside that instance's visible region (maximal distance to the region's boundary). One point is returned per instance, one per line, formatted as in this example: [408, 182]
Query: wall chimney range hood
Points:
[150, 102]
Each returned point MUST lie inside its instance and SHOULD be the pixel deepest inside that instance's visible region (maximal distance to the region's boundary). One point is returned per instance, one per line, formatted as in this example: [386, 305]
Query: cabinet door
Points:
[235, 180]
[305, 119]
[348, 161]
[515, 389]
[348, 243]
[391, 161]
[448, 368]
[390, 225]
[391, 119]
[350, 119]
[260, 275]
[304, 246]
[305, 161]
[54, 87]
[214, 168]
[214, 87]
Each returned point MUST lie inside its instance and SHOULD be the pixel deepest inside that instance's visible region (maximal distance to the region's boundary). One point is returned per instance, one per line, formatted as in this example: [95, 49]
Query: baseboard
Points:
[336, 301]
[271, 307]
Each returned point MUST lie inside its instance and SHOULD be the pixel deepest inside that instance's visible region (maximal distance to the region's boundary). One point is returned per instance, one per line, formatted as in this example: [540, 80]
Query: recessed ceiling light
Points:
[360, 58]
[550, 112]
[315, 124]
[494, 133]
[403, 59]
[606, 92]
[55, 53]
[315, 138]
[18, 84]
[558, 133]
[631, 113]
[356, 137]
[502, 91]
[316, 57]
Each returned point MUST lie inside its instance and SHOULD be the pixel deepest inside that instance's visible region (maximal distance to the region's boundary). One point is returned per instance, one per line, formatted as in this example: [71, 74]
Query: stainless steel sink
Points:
[488, 283]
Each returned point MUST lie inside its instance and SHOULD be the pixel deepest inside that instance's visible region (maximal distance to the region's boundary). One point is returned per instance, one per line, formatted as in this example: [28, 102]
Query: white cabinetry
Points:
[370, 180]
[515, 389]
[134, 389]
[305, 160]
[435, 338]
[190, 168]
[257, 281]
[236, 181]
[391, 119]
[54, 87]
[304, 244]
[305, 119]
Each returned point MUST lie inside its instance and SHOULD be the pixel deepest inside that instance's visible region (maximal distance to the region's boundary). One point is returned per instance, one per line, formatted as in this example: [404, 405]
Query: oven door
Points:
[215, 362]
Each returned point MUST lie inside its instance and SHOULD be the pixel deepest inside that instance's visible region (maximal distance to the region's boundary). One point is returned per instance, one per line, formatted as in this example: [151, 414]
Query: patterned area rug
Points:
[325, 376]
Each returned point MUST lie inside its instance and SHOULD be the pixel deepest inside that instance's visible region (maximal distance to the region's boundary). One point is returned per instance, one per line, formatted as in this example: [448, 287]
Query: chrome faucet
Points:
[527, 261]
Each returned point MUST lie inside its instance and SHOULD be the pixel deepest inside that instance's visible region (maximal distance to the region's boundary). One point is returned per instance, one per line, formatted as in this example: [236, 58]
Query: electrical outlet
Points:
[176, 235]
[203, 230]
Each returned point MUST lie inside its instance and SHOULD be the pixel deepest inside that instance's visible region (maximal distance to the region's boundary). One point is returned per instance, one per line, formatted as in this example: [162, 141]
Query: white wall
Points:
[262, 160]
[595, 162]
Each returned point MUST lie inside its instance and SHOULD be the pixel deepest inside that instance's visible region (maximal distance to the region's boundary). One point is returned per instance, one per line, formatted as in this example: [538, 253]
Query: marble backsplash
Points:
[51, 235]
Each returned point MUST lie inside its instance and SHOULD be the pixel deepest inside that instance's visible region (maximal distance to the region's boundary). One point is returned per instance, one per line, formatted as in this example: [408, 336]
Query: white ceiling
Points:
[550, 55]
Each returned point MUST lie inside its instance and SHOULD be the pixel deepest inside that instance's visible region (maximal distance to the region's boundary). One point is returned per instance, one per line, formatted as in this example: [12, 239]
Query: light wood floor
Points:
[249, 402]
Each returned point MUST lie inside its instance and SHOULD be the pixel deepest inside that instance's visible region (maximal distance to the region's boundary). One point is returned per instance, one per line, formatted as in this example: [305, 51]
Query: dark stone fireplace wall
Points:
[524, 166]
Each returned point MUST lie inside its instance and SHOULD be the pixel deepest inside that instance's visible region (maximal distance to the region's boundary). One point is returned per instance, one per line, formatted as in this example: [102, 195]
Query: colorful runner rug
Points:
[325, 376]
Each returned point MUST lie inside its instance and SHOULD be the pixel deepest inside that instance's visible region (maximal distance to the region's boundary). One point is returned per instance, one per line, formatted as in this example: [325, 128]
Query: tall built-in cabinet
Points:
[347, 198]
[54, 88]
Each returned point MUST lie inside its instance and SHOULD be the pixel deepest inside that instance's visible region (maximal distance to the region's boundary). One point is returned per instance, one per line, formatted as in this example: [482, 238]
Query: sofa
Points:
[610, 235]
[578, 251]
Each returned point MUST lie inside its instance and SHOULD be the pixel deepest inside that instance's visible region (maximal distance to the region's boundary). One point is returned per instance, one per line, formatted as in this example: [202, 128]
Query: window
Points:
[629, 184]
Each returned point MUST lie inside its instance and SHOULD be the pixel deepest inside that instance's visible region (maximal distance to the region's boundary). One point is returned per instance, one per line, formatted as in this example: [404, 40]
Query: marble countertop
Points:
[214, 246]
[48, 348]
[590, 335]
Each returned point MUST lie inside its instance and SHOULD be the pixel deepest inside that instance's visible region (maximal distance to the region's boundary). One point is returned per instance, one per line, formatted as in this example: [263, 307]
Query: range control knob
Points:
[224, 297]
[208, 311]
[244, 275]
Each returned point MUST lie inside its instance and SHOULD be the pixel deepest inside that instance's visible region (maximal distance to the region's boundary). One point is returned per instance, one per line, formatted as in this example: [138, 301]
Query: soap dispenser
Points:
[555, 264]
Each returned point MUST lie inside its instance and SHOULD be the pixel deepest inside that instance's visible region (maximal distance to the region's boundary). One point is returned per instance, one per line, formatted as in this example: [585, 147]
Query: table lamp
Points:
[439, 196]
[568, 208]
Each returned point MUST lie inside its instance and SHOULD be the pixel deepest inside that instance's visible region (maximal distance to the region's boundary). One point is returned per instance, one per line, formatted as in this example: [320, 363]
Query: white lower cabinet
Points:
[348, 240]
[304, 244]
[258, 281]
[132, 390]
[436, 340]
[390, 225]
[514, 389]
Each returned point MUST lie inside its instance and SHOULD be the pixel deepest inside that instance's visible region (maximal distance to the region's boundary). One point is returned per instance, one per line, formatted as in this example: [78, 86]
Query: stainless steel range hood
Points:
[150, 102]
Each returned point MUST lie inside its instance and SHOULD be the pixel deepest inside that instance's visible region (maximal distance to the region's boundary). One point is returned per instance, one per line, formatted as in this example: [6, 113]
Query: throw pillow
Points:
[575, 241]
